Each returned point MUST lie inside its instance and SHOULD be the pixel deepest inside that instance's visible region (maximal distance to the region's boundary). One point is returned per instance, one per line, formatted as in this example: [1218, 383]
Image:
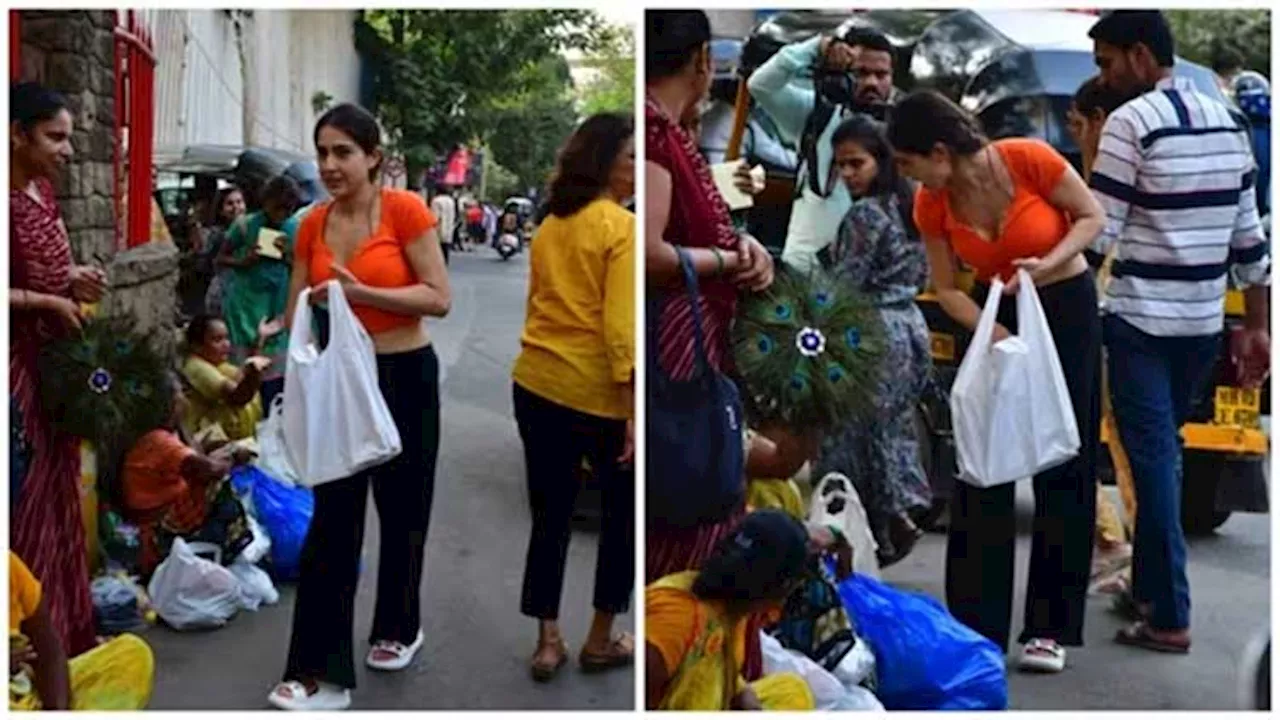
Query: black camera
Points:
[840, 88]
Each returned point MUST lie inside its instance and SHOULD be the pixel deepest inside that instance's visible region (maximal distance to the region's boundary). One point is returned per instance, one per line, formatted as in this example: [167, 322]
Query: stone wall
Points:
[73, 52]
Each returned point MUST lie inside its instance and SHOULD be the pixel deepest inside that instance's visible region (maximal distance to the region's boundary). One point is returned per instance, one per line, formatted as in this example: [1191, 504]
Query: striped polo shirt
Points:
[1175, 175]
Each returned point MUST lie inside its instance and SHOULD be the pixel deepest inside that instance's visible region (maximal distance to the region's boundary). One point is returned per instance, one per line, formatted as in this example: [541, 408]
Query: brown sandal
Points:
[622, 653]
[545, 672]
[1140, 635]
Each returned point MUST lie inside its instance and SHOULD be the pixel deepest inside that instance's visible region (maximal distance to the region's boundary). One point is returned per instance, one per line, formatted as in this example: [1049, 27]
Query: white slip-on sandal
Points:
[1042, 656]
[402, 654]
[293, 695]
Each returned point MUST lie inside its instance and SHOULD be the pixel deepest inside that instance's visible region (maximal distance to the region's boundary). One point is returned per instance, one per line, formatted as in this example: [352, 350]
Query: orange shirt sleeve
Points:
[308, 232]
[410, 216]
[669, 623]
[928, 212]
[1035, 164]
[153, 470]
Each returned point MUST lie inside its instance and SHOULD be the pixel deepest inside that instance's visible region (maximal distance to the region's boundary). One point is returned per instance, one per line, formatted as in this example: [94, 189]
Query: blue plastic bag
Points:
[284, 511]
[925, 658]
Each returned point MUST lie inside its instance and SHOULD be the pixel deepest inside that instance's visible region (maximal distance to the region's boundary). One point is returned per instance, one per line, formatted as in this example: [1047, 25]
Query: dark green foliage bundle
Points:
[807, 351]
[108, 384]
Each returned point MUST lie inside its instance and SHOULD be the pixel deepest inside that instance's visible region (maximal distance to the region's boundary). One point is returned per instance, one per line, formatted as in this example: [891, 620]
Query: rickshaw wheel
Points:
[1201, 474]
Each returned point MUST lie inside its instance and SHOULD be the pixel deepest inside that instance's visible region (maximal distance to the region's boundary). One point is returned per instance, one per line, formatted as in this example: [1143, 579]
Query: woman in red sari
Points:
[45, 287]
[684, 209]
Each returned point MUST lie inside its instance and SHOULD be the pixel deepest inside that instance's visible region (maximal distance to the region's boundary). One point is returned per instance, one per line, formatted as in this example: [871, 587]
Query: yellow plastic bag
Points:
[117, 675]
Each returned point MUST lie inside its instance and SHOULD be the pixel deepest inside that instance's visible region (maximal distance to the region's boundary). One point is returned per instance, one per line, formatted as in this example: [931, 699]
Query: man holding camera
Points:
[850, 75]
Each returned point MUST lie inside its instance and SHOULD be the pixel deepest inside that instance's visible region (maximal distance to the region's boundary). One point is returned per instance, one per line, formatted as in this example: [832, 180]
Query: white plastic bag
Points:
[857, 665]
[189, 592]
[835, 502]
[1010, 407]
[256, 588]
[828, 692]
[336, 422]
[273, 453]
[261, 544]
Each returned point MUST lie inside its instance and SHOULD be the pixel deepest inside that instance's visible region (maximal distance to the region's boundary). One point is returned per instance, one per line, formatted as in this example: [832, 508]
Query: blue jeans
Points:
[1155, 382]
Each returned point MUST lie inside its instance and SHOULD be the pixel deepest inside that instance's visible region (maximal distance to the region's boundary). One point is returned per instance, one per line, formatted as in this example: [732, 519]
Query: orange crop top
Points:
[379, 261]
[1032, 226]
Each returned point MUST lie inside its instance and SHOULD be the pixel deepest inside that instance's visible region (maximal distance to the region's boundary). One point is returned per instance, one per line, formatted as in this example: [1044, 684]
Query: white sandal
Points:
[1042, 656]
[402, 654]
[293, 695]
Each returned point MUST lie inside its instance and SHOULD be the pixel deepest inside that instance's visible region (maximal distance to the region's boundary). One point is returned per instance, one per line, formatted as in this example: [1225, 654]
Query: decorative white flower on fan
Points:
[811, 342]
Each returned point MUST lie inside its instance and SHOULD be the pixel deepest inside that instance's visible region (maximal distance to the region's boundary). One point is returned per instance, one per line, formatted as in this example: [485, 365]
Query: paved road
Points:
[477, 643]
[1231, 604]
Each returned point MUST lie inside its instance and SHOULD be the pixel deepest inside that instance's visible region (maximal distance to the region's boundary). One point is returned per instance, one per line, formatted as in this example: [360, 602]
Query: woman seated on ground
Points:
[170, 489]
[223, 394]
[116, 675]
[696, 622]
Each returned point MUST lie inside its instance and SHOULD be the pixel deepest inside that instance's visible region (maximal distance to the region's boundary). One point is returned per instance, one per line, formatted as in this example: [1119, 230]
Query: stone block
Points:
[50, 32]
[75, 213]
[66, 73]
[101, 176]
[143, 264]
[101, 212]
[102, 144]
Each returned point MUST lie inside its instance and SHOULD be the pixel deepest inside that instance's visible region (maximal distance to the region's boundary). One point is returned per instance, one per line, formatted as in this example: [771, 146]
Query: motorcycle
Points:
[508, 244]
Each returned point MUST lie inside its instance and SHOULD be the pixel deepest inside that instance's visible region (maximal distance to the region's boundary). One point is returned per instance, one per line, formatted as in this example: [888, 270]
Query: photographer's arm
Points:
[772, 86]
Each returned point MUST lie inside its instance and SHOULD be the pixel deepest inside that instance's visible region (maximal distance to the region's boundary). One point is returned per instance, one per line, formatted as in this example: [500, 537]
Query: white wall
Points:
[202, 93]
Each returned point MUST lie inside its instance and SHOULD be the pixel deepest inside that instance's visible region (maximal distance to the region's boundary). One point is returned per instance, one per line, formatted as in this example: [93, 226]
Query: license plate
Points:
[1237, 407]
[942, 346]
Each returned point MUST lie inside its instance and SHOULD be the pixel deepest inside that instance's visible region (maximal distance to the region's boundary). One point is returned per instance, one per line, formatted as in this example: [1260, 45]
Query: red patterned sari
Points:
[48, 529]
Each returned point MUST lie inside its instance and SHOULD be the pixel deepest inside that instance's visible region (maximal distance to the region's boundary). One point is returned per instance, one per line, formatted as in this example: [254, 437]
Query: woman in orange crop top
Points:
[1000, 206]
[383, 247]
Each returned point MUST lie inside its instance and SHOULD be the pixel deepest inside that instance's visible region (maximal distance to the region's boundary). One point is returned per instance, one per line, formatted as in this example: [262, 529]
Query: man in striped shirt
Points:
[1175, 175]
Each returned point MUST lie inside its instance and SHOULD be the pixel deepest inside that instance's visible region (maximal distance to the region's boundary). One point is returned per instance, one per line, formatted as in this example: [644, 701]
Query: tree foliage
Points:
[500, 184]
[529, 127]
[443, 78]
[614, 89]
[1199, 34]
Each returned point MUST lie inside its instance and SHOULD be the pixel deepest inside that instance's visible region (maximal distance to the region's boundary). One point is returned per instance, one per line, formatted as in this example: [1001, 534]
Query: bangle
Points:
[719, 260]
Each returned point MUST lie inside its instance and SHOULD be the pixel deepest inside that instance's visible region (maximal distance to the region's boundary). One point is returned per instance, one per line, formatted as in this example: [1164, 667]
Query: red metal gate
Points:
[15, 46]
[135, 128]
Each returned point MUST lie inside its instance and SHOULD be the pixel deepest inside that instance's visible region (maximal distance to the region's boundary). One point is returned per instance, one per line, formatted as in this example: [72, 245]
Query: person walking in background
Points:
[1003, 206]
[230, 208]
[1175, 174]
[879, 252]
[574, 387]
[258, 287]
[46, 288]
[444, 208]
[382, 248]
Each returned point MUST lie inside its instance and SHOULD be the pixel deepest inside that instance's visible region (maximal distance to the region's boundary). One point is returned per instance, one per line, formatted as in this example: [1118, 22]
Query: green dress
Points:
[255, 293]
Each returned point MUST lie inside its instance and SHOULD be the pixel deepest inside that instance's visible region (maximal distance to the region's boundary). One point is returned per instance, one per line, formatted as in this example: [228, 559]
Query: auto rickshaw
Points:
[1017, 72]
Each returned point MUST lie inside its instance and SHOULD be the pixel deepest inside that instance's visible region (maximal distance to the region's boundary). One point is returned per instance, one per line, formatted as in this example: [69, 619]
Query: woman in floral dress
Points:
[878, 251]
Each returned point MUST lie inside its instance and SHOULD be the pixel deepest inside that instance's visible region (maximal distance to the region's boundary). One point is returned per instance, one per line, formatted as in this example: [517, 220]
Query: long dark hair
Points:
[1094, 94]
[582, 172]
[888, 183]
[926, 118]
[356, 123]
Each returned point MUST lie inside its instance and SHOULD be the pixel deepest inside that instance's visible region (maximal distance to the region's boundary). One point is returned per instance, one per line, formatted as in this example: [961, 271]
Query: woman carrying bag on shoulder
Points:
[1000, 207]
[381, 246]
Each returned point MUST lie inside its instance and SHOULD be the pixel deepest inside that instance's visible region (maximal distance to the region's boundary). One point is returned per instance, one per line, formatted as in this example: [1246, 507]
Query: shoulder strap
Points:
[823, 111]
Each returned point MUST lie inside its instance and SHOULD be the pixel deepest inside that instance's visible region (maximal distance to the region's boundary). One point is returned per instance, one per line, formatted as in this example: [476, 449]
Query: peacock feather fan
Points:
[807, 350]
[108, 384]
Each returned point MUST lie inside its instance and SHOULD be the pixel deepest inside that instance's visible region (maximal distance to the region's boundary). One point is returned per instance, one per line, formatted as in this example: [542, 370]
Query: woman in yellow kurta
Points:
[696, 622]
[222, 394]
[116, 675]
[574, 388]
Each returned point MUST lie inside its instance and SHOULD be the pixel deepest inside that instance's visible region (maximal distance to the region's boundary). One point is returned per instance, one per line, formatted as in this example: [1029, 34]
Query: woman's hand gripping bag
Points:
[336, 422]
[925, 658]
[1010, 408]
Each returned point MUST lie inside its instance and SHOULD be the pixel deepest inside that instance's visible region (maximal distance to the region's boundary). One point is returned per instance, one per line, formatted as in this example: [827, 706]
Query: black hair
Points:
[282, 190]
[925, 118]
[1127, 28]
[356, 123]
[672, 38]
[1094, 95]
[31, 103]
[582, 171]
[888, 183]
[221, 198]
[1226, 58]
[741, 570]
[197, 329]
[868, 39]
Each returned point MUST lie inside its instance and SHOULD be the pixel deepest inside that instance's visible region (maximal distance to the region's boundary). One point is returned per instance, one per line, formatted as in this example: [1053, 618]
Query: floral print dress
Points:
[881, 453]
